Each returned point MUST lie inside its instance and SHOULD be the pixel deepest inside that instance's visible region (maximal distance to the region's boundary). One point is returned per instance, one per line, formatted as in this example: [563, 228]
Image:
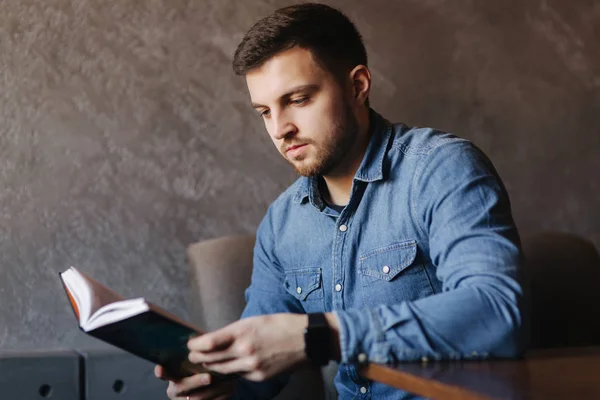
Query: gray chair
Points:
[221, 270]
[563, 272]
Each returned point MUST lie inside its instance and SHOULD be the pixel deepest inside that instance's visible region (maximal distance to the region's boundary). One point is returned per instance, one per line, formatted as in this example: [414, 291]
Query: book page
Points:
[79, 293]
[115, 312]
[101, 295]
[89, 294]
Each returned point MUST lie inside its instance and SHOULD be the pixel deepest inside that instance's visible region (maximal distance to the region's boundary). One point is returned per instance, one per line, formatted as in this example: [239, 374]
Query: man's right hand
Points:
[197, 387]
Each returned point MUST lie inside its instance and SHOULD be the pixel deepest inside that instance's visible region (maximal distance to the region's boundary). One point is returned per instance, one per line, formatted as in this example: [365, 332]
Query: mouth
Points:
[294, 147]
[295, 150]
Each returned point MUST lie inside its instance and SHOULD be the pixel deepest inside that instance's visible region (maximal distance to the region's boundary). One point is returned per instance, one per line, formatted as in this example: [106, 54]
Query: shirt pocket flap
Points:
[300, 283]
[387, 262]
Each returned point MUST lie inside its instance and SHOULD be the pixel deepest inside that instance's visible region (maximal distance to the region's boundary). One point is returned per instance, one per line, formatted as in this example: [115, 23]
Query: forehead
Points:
[288, 69]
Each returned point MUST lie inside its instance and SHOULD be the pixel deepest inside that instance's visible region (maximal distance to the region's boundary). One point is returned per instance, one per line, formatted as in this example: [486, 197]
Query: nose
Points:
[282, 127]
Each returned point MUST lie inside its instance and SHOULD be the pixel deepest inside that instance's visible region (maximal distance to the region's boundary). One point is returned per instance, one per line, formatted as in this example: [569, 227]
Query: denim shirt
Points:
[423, 263]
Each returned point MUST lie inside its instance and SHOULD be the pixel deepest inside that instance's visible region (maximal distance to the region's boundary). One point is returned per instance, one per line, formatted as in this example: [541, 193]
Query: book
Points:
[133, 325]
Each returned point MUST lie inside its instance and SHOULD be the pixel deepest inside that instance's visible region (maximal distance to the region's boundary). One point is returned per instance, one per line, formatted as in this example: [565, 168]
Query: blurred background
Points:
[125, 137]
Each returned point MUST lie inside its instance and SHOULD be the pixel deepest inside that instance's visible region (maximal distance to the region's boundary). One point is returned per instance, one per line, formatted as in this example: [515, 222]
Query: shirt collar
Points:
[370, 169]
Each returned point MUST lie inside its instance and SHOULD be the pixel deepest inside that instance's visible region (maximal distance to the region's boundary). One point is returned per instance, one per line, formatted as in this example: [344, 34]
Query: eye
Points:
[265, 113]
[299, 101]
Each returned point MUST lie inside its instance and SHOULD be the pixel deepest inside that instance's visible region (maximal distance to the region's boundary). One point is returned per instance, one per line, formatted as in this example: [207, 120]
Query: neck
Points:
[339, 182]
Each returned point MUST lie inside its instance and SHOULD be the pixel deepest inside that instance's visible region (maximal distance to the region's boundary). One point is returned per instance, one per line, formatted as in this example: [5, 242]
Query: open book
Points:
[133, 325]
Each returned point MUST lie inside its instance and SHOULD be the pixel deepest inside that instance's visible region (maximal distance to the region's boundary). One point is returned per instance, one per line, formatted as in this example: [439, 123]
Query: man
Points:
[398, 242]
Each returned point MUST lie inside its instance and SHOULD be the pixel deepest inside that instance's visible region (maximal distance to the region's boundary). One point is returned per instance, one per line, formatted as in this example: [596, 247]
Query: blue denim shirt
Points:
[423, 262]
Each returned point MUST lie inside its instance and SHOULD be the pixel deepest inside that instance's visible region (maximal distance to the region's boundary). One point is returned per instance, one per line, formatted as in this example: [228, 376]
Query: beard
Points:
[330, 153]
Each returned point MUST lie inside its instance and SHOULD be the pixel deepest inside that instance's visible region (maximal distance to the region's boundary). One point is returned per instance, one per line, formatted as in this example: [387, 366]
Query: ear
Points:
[360, 77]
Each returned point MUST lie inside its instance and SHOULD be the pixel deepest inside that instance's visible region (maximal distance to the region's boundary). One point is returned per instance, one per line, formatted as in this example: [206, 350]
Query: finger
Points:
[211, 341]
[237, 349]
[216, 356]
[171, 391]
[237, 365]
[256, 376]
[190, 384]
[162, 373]
[159, 372]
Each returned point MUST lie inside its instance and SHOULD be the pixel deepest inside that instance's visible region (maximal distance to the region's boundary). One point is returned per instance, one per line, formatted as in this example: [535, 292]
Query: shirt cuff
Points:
[362, 338]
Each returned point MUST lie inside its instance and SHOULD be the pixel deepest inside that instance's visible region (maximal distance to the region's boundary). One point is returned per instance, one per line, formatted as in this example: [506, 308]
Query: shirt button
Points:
[343, 228]
[362, 357]
[338, 288]
[386, 269]
[298, 290]
[363, 389]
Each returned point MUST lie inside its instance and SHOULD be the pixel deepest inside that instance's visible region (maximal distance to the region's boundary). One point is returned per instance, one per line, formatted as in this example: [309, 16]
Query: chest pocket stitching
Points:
[373, 262]
[308, 279]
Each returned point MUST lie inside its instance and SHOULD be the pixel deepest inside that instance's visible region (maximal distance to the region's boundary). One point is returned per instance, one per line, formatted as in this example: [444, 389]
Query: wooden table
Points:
[549, 374]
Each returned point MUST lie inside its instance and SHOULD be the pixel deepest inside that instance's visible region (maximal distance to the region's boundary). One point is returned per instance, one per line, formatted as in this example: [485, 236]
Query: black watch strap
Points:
[317, 339]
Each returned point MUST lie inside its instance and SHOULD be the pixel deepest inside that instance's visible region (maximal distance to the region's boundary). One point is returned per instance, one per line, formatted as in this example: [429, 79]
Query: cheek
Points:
[326, 119]
[313, 123]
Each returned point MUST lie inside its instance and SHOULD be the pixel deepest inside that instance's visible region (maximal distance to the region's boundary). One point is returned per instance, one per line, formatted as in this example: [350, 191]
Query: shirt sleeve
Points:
[463, 208]
[266, 295]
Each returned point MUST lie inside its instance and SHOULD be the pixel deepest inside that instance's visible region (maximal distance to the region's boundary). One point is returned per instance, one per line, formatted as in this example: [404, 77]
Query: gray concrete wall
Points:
[124, 137]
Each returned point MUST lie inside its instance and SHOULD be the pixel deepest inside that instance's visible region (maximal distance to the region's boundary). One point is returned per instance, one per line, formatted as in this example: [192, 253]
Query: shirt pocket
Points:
[392, 274]
[306, 286]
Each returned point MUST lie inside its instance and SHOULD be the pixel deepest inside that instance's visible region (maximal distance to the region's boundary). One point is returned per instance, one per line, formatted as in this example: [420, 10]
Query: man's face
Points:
[305, 110]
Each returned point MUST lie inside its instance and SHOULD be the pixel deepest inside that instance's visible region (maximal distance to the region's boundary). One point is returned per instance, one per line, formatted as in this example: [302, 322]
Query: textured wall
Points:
[124, 136]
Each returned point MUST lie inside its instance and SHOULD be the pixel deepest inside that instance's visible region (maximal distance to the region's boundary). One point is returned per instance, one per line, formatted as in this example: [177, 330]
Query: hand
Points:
[196, 387]
[256, 348]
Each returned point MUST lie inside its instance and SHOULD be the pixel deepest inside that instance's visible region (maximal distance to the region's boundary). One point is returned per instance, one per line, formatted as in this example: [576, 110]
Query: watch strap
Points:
[317, 339]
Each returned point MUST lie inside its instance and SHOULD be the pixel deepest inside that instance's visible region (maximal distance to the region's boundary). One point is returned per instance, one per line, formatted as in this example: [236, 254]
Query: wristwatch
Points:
[317, 339]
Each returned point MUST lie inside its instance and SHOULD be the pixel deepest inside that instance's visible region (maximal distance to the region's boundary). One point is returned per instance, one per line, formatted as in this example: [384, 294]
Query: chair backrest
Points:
[564, 282]
[221, 270]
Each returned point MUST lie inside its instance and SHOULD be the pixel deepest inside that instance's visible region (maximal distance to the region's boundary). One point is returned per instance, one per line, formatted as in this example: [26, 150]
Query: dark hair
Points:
[328, 34]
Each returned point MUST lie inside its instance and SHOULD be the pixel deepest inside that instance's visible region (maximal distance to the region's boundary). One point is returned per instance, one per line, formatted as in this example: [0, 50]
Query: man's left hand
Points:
[256, 348]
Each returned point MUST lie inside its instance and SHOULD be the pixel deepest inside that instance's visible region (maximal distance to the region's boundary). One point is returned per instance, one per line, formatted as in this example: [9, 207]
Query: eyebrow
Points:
[301, 88]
